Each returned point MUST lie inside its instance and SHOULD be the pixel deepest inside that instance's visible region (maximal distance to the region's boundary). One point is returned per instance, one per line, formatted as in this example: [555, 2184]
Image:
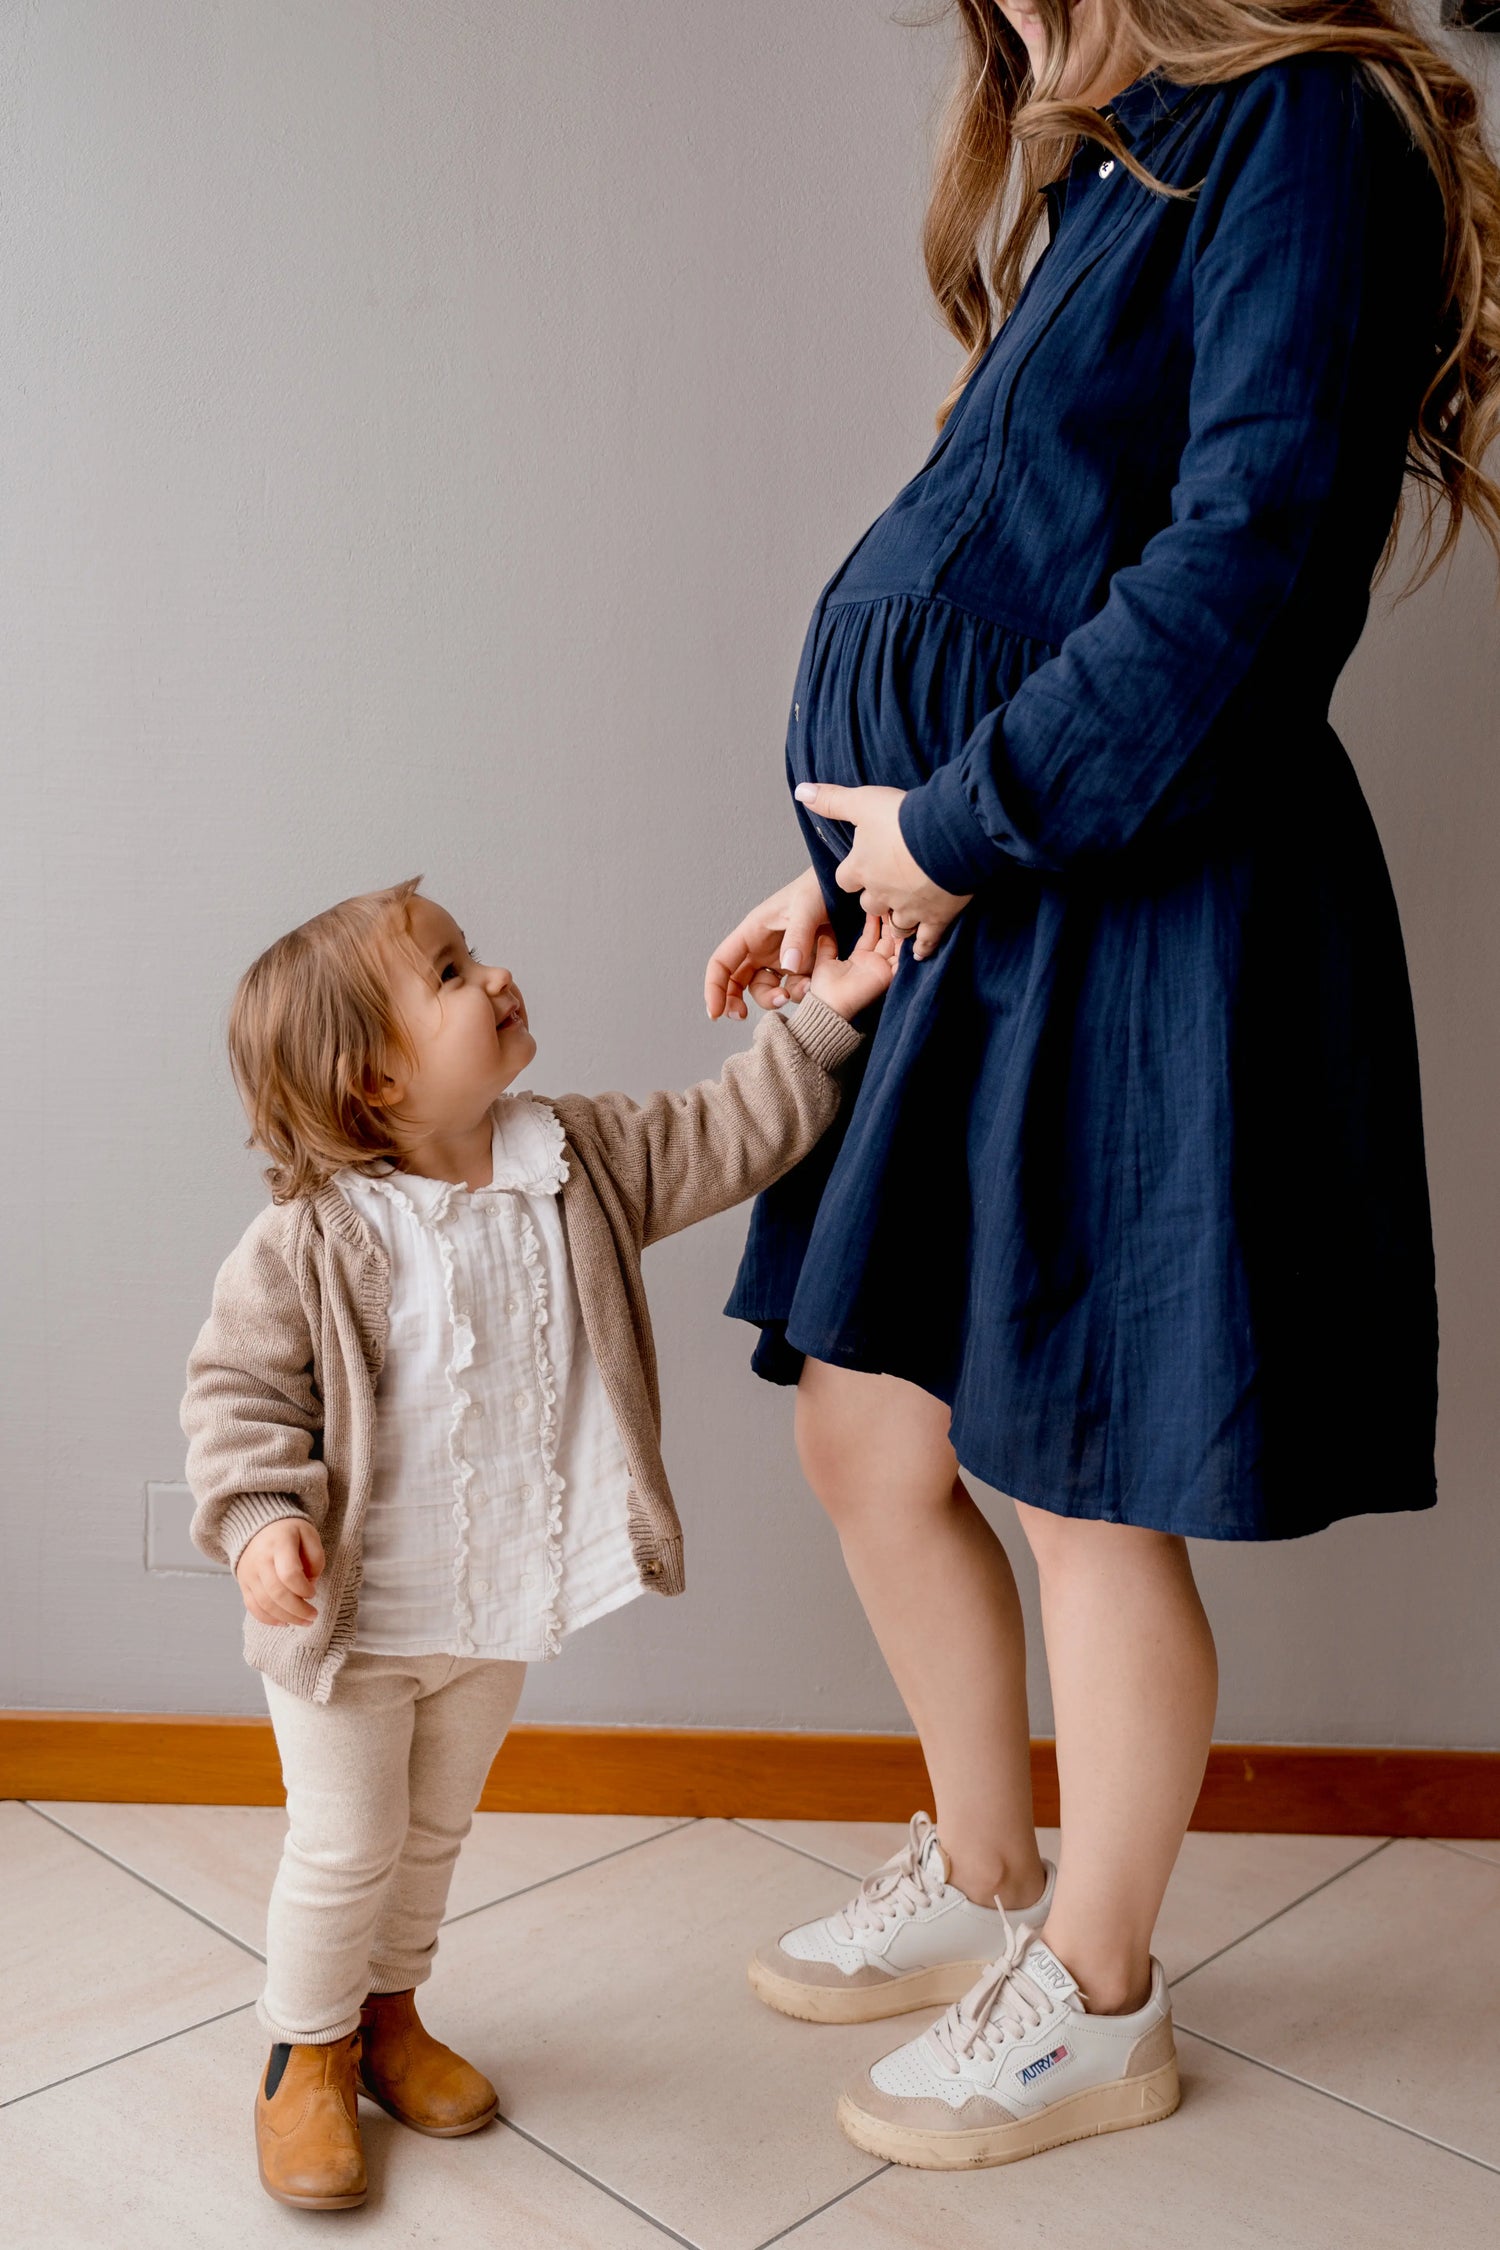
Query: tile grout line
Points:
[1256, 1927]
[593, 2180]
[639, 1843]
[135, 1874]
[801, 1851]
[448, 1923]
[1445, 1844]
[107, 2061]
[842, 2197]
[1345, 2101]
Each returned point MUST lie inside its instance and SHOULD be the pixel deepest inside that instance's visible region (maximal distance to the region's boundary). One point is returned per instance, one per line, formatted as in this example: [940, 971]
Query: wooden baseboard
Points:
[1266, 1787]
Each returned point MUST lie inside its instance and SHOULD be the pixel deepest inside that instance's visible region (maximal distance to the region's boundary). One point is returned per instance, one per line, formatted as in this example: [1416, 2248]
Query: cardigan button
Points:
[651, 1569]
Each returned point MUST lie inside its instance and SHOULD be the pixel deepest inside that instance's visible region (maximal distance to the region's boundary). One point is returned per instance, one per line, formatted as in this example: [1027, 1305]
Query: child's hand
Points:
[277, 1570]
[848, 986]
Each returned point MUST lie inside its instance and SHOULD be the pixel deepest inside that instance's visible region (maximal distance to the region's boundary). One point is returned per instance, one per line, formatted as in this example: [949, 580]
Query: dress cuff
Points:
[250, 1512]
[941, 831]
[822, 1032]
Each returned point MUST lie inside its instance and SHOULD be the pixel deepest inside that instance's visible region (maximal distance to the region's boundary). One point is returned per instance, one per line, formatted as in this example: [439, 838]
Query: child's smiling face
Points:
[467, 1026]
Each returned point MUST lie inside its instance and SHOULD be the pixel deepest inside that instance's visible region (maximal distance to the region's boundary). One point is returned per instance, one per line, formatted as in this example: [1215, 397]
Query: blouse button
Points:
[1106, 168]
[528, 1492]
[519, 1402]
[480, 1585]
[512, 1306]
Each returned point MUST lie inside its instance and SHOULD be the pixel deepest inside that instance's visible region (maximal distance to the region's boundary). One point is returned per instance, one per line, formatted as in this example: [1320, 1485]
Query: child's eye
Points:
[448, 969]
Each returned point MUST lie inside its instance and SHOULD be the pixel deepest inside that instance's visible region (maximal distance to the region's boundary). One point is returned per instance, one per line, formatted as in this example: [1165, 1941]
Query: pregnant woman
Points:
[1129, 1217]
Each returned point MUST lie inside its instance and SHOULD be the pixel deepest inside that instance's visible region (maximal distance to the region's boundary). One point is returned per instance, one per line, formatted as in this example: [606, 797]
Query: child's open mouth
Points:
[511, 1016]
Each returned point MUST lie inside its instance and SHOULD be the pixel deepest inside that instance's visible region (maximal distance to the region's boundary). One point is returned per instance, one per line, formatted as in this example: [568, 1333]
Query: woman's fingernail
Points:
[791, 960]
[805, 792]
[778, 999]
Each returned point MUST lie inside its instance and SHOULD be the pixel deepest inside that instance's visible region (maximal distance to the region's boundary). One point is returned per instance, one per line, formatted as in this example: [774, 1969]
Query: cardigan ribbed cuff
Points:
[250, 1512]
[822, 1032]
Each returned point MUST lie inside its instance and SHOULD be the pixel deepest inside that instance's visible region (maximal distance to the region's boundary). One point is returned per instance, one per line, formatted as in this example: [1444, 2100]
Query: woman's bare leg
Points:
[937, 1587]
[1134, 1685]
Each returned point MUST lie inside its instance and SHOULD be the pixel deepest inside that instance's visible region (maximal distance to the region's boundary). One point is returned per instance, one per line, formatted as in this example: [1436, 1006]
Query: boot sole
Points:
[432, 2132]
[311, 2202]
[1099, 2109]
[864, 2003]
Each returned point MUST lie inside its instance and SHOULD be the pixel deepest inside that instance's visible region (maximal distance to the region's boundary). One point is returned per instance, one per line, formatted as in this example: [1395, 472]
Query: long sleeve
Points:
[1285, 247]
[252, 1414]
[677, 1158]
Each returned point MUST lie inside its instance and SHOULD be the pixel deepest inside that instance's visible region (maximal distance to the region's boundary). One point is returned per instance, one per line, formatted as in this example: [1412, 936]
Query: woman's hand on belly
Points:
[777, 939]
[879, 866]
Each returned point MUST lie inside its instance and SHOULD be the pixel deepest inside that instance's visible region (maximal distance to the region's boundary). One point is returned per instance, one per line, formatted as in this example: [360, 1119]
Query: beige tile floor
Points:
[1337, 2002]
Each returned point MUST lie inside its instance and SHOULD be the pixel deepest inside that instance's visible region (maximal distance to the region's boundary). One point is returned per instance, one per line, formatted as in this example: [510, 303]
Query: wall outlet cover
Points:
[169, 1511]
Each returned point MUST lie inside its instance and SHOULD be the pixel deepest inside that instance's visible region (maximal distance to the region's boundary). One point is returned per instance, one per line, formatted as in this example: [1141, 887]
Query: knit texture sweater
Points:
[280, 1404]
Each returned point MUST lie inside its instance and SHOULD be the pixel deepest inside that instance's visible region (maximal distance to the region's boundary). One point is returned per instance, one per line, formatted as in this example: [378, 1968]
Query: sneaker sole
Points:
[863, 2003]
[1099, 2109]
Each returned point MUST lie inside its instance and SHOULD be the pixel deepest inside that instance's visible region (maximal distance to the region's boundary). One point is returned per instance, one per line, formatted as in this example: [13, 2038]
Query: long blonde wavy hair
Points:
[1005, 135]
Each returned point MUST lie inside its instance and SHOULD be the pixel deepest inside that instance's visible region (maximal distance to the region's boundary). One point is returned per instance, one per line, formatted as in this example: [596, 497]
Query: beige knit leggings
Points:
[381, 1785]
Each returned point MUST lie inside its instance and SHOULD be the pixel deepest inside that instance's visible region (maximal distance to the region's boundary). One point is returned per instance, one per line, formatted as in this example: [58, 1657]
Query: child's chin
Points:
[518, 1050]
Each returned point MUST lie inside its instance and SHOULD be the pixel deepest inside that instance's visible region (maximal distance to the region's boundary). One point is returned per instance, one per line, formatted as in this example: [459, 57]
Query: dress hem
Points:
[1236, 1534]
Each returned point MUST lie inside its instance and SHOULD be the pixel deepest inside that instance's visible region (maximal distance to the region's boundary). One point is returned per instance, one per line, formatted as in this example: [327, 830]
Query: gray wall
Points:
[427, 428]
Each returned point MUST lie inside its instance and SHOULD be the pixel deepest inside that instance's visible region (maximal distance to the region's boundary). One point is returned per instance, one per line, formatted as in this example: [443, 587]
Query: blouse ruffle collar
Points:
[526, 1156]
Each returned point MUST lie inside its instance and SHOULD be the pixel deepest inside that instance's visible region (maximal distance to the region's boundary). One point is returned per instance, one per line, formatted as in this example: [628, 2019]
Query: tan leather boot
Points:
[307, 2129]
[413, 2076]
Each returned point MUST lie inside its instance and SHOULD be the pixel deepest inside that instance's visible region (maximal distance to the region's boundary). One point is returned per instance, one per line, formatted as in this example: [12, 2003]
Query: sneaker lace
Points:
[1003, 2006]
[895, 1891]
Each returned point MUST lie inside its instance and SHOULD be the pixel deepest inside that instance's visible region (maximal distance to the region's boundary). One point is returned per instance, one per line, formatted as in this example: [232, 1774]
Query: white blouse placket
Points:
[533, 1452]
[552, 1485]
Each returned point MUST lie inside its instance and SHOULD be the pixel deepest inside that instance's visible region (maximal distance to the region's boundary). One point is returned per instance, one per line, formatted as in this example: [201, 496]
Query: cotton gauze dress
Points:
[1134, 1176]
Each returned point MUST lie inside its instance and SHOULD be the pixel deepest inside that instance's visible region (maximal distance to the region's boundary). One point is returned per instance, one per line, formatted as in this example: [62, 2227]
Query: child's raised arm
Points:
[677, 1158]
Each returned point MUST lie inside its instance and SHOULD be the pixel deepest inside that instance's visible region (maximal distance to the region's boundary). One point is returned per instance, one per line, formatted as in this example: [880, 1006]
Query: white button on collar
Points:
[1106, 168]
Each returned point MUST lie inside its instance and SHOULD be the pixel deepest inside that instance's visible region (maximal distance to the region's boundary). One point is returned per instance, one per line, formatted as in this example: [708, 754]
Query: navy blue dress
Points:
[1134, 1176]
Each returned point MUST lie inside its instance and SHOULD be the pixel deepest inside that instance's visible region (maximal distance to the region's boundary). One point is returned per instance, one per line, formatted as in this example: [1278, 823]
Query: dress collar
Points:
[1146, 102]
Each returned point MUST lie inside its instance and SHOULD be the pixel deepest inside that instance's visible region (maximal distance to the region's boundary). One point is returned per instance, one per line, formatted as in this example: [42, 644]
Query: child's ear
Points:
[381, 1090]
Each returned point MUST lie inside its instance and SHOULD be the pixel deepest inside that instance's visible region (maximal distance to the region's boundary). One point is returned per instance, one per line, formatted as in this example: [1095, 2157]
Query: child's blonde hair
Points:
[313, 1030]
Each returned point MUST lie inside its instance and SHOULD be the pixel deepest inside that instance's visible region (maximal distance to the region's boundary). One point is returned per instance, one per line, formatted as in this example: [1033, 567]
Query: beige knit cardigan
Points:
[280, 1404]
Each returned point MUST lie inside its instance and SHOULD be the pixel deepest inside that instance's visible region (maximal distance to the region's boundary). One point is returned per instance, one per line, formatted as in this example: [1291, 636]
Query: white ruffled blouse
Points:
[498, 1518]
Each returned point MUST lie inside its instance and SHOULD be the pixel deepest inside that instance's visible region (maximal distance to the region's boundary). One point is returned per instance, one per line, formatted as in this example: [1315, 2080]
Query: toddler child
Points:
[424, 1431]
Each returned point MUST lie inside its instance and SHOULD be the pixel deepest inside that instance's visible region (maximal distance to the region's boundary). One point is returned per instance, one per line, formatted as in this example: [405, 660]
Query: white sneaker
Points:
[908, 1939]
[1018, 2065]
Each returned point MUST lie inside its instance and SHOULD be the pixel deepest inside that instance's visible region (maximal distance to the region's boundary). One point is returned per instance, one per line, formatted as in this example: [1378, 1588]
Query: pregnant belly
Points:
[890, 689]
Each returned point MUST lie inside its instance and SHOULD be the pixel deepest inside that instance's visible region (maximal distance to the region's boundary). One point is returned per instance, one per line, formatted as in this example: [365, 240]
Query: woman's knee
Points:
[1073, 1546]
[868, 1444]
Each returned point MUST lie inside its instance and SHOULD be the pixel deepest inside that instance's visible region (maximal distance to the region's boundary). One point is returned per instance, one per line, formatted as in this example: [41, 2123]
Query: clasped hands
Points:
[768, 956]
